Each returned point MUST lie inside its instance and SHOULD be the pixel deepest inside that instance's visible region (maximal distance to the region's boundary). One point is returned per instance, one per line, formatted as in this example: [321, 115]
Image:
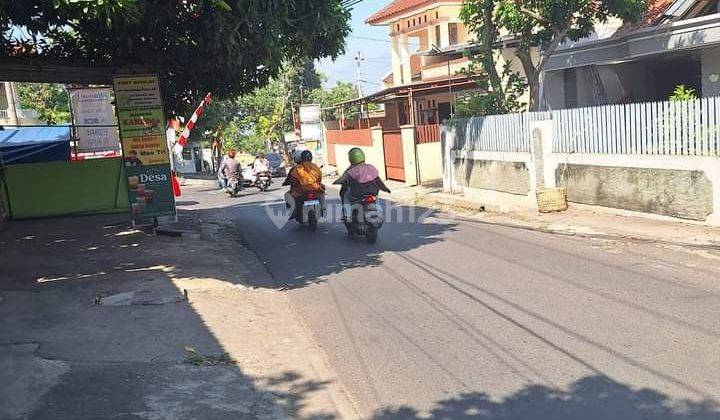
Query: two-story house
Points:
[427, 40]
[676, 43]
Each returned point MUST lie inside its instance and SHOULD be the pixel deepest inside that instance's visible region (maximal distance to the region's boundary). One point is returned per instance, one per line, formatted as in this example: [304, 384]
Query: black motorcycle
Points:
[365, 218]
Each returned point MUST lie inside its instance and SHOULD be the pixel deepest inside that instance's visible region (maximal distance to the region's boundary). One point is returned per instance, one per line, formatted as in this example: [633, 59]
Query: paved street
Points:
[455, 318]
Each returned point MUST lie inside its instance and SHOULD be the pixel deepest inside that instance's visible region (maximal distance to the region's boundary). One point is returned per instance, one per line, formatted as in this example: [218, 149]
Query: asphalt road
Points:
[448, 318]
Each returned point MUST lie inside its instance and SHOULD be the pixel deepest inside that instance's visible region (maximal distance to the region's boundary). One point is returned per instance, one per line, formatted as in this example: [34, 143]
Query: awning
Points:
[457, 84]
[34, 144]
[647, 42]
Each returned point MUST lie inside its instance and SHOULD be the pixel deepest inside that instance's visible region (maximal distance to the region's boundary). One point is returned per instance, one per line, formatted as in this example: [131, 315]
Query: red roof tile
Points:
[397, 7]
[653, 16]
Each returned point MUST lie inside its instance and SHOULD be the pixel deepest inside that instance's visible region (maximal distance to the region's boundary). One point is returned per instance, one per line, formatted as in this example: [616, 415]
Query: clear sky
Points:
[376, 53]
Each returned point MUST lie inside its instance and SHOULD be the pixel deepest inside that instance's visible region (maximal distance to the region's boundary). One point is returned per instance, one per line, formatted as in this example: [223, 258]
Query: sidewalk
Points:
[100, 321]
[578, 220]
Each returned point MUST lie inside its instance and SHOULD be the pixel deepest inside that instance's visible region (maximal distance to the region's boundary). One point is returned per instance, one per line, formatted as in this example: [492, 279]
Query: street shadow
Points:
[63, 355]
[590, 398]
[298, 257]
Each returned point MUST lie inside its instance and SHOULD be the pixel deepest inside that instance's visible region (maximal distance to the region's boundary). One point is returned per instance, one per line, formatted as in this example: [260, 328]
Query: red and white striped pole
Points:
[182, 141]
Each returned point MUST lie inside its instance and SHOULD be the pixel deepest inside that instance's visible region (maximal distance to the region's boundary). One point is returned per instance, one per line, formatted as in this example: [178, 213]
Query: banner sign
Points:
[93, 107]
[144, 146]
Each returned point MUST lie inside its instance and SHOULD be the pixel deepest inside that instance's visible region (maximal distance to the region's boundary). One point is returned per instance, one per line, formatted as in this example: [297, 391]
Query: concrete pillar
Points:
[713, 173]
[542, 170]
[407, 133]
[405, 59]
[396, 59]
[444, 35]
[12, 103]
[379, 148]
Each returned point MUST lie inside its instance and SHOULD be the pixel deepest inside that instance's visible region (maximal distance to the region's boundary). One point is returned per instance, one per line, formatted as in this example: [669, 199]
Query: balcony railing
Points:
[3, 114]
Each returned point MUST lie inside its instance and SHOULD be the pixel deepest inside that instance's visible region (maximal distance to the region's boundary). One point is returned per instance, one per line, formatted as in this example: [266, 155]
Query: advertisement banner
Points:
[93, 112]
[144, 143]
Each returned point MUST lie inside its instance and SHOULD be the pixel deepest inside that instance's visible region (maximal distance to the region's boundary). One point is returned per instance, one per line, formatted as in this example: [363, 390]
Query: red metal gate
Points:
[394, 160]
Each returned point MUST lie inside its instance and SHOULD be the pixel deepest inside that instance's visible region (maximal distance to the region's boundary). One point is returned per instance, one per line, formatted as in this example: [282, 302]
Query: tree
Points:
[537, 26]
[228, 48]
[49, 100]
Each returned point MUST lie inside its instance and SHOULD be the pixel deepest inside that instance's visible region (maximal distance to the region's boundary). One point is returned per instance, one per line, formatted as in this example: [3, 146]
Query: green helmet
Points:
[356, 155]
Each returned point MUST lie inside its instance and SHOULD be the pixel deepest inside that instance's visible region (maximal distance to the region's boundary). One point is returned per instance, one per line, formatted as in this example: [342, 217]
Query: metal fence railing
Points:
[500, 133]
[686, 128]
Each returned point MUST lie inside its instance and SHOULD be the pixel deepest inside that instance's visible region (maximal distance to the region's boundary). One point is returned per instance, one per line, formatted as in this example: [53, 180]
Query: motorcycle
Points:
[365, 218]
[260, 180]
[234, 186]
[308, 210]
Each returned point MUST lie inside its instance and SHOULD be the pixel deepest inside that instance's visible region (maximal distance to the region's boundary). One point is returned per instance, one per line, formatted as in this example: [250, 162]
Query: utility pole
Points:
[359, 80]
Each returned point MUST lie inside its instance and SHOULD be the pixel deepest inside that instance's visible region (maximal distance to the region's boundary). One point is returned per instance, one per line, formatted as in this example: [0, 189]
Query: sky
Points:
[375, 50]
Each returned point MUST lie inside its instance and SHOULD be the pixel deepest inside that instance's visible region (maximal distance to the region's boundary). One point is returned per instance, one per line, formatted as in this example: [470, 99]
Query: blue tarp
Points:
[34, 145]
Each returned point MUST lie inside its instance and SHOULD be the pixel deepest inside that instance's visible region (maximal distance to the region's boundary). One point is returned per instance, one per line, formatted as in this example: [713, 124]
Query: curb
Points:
[460, 204]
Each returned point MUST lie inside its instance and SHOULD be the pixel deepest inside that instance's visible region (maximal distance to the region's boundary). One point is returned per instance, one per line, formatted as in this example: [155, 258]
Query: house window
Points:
[398, 27]
[413, 22]
[437, 15]
[453, 33]
[408, 23]
[425, 19]
[437, 35]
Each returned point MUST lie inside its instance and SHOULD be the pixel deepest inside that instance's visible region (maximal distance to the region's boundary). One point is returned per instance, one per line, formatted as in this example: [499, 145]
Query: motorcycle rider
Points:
[305, 177]
[261, 165]
[359, 180]
[230, 168]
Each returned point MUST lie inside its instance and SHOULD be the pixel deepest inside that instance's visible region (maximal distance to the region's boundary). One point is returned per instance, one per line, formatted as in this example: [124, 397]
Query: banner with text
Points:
[93, 114]
[142, 133]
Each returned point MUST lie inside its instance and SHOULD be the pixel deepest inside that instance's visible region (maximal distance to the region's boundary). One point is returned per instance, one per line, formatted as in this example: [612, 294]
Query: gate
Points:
[394, 160]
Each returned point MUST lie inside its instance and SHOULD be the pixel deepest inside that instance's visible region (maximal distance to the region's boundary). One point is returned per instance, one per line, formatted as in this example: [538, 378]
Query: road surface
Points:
[447, 318]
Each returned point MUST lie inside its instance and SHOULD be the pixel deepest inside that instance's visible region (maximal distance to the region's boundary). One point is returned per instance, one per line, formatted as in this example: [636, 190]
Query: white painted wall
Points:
[551, 161]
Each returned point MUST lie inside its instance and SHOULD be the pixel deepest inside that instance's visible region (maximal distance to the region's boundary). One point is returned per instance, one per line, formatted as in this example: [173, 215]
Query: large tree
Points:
[537, 27]
[49, 100]
[228, 47]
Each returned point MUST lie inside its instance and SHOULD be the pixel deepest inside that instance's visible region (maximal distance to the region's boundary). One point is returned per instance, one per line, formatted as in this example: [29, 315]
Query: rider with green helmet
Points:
[360, 179]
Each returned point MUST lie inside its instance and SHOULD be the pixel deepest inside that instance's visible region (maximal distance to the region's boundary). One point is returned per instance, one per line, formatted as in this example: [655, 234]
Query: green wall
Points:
[66, 188]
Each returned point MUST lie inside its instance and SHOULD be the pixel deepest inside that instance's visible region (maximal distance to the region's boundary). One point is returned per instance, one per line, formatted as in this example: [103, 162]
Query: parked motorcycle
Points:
[365, 218]
[308, 210]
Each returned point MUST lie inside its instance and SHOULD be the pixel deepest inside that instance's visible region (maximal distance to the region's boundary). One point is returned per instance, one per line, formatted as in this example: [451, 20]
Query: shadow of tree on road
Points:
[590, 398]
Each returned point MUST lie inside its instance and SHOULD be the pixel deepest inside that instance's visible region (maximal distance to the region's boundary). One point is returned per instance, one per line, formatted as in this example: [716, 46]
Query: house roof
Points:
[397, 7]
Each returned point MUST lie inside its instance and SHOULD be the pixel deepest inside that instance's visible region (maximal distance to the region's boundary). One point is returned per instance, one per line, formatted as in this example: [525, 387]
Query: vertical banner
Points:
[93, 112]
[144, 145]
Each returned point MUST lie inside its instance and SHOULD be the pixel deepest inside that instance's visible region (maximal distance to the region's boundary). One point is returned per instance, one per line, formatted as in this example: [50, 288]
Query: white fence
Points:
[499, 133]
[687, 128]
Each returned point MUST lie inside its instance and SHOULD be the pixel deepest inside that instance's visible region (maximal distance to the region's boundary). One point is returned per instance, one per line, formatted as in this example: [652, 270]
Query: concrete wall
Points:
[686, 187]
[430, 161]
[502, 172]
[374, 154]
[678, 193]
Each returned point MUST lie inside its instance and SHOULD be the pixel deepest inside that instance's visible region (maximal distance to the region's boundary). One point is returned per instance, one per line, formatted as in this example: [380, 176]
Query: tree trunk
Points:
[490, 34]
[532, 75]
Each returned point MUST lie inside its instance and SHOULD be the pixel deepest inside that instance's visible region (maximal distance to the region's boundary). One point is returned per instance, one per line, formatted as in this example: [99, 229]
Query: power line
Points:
[367, 38]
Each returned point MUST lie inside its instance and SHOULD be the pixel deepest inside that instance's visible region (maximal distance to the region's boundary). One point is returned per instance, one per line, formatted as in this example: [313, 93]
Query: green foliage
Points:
[341, 92]
[247, 121]
[491, 100]
[49, 100]
[537, 26]
[682, 93]
[225, 47]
